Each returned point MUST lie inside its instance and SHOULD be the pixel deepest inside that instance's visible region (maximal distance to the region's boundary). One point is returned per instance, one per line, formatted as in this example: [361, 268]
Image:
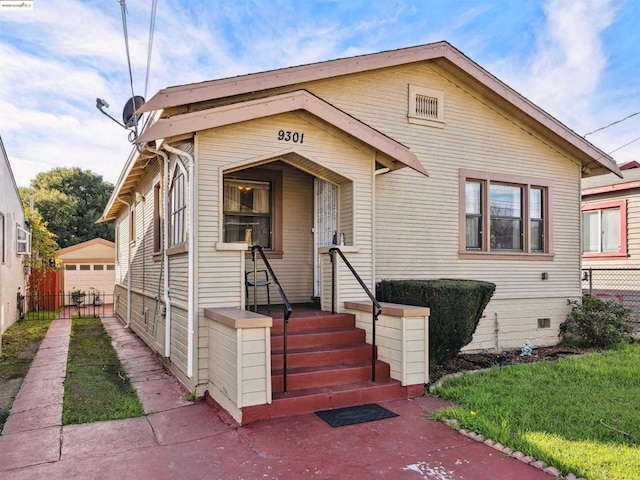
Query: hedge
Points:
[456, 307]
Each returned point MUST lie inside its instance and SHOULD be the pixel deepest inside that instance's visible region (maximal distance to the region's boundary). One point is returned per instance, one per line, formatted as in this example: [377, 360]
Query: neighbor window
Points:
[178, 209]
[23, 241]
[2, 239]
[504, 213]
[252, 208]
[604, 229]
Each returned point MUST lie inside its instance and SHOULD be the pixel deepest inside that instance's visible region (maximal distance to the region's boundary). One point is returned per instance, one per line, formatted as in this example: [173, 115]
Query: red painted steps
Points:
[329, 366]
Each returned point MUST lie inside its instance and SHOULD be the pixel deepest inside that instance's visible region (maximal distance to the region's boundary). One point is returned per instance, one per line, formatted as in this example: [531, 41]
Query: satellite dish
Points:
[129, 116]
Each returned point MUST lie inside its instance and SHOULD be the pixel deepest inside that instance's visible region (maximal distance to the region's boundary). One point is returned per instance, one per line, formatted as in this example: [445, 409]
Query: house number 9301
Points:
[289, 136]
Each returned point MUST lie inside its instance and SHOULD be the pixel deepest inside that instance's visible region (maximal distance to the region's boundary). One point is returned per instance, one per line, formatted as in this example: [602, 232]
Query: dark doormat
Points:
[340, 417]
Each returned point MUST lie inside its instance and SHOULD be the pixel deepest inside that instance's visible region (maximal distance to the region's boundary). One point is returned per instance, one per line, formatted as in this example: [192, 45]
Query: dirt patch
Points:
[477, 361]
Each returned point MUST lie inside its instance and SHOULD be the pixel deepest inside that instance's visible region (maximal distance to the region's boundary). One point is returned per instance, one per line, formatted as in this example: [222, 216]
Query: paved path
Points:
[185, 440]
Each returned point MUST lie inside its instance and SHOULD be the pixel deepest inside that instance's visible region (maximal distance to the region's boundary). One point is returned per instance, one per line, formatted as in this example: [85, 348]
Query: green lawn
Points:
[20, 344]
[96, 387]
[580, 415]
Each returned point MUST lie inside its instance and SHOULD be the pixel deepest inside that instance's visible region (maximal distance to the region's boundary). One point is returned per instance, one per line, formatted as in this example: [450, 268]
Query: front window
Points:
[248, 212]
[505, 208]
[604, 229]
[504, 213]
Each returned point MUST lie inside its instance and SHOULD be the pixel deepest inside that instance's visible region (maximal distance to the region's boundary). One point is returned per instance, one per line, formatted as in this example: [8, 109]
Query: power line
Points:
[152, 27]
[629, 143]
[123, 8]
[611, 124]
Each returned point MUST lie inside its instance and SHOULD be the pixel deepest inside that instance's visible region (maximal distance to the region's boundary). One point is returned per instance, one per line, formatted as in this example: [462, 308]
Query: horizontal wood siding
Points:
[417, 218]
[256, 142]
[223, 363]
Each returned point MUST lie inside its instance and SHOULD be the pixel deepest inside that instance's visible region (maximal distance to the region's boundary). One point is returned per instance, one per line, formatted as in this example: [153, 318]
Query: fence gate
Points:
[36, 305]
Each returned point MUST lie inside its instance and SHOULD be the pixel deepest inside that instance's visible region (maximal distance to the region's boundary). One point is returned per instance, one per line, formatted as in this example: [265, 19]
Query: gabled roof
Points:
[277, 104]
[611, 182]
[442, 53]
[88, 243]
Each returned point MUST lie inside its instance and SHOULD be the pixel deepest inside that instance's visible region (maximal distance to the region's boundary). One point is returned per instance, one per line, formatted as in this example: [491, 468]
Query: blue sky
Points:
[577, 59]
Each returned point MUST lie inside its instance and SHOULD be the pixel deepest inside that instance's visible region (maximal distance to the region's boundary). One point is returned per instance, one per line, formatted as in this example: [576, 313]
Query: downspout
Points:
[191, 246]
[128, 325]
[165, 256]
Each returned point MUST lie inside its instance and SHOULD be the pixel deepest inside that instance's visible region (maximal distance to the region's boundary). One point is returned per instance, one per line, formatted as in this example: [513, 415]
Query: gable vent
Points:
[426, 106]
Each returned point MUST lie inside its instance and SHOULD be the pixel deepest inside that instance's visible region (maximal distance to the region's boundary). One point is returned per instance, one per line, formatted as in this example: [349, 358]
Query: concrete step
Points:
[298, 402]
[329, 355]
[318, 338]
[313, 321]
[328, 376]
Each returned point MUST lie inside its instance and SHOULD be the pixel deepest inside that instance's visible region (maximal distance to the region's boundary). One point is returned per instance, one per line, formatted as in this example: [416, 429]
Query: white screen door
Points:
[325, 223]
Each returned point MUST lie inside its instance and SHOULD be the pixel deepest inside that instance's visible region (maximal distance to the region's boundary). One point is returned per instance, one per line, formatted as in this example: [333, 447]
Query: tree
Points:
[44, 250]
[70, 201]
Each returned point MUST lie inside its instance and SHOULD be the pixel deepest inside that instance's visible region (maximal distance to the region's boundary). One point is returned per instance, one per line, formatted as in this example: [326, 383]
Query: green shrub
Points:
[456, 308]
[597, 323]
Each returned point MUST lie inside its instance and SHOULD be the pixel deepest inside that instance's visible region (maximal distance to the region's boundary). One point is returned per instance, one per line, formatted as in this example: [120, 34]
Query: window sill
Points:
[157, 256]
[606, 255]
[506, 256]
[429, 122]
[179, 248]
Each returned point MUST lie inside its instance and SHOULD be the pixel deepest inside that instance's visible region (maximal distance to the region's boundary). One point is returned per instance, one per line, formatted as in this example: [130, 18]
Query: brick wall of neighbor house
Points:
[632, 199]
[417, 218]
[255, 141]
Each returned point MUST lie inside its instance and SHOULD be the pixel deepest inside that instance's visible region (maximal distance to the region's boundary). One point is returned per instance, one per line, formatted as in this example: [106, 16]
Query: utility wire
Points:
[629, 143]
[611, 124]
[123, 8]
[152, 28]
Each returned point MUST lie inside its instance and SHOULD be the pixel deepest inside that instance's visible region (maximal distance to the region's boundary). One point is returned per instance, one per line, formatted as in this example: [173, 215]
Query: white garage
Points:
[89, 266]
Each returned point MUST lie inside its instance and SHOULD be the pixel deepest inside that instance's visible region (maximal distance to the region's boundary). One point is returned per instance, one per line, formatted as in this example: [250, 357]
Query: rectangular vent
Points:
[427, 107]
[544, 323]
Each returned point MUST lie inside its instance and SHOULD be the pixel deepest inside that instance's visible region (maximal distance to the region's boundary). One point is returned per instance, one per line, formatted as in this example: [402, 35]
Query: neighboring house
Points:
[293, 158]
[15, 244]
[88, 266]
[611, 235]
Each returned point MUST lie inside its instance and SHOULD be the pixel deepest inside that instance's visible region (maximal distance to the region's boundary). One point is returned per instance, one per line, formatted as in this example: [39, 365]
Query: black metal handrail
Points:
[376, 308]
[288, 309]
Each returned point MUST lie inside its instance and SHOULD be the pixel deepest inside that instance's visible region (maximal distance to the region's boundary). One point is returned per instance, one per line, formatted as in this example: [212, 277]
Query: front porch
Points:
[329, 359]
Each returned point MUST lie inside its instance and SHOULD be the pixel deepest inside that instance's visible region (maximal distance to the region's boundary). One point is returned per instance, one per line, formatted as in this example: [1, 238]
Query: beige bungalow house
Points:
[417, 163]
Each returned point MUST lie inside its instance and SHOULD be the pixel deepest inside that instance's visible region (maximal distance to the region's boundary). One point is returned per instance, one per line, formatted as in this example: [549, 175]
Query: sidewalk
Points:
[186, 440]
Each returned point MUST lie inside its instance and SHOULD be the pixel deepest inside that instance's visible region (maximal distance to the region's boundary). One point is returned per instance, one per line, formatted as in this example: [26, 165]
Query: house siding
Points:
[255, 143]
[476, 136]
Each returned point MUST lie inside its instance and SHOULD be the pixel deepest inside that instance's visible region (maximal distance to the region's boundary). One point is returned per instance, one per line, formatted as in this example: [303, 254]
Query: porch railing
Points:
[376, 308]
[288, 309]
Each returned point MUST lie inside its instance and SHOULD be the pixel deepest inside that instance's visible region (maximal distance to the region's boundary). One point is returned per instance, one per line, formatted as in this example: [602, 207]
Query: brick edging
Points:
[539, 464]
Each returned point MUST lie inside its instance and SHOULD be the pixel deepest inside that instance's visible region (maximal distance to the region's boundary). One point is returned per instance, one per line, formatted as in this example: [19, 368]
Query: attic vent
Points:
[426, 106]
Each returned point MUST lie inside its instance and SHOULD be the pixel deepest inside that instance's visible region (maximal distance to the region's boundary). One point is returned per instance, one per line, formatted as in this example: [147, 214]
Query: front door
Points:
[325, 223]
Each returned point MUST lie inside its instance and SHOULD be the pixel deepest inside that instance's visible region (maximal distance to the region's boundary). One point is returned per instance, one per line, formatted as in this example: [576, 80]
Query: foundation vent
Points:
[544, 323]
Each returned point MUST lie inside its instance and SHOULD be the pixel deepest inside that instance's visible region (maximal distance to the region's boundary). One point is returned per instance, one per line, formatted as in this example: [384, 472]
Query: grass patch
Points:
[96, 387]
[20, 344]
[581, 415]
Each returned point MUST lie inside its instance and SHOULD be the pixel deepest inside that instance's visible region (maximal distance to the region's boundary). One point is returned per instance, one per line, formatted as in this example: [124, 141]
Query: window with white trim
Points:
[2, 240]
[426, 106]
[604, 229]
[178, 208]
[504, 213]
[23, 241]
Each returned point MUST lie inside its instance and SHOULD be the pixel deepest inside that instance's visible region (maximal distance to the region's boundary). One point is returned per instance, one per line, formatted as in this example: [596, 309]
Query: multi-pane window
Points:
[604, 229]
[157, 219]
[248, 212]
[178, 209]
[504, 213]
[23, 241]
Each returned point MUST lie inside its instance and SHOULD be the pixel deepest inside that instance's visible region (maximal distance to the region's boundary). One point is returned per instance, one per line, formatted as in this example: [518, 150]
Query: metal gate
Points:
[36, 305]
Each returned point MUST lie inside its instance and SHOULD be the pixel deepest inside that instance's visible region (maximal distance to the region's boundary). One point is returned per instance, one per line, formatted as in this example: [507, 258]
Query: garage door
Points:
[89, 275]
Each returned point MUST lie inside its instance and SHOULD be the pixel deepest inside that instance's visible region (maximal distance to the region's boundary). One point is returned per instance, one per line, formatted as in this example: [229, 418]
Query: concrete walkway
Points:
[185, 440]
